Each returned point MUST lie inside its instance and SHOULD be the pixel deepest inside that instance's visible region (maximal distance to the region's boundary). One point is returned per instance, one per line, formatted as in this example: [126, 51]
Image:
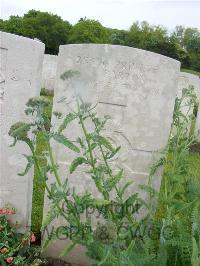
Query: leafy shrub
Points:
[14, 246]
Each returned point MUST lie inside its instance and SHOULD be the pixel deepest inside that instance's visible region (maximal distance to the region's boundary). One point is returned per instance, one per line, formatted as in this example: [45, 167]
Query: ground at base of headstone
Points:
[58, 262]
[195, 147]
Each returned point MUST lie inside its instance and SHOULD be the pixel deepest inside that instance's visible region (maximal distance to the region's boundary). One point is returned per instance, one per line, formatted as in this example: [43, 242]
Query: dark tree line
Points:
[182, 44]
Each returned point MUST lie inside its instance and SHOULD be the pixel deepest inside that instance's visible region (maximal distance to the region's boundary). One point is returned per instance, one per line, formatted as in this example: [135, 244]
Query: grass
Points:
[190, 71]
[38, 185]
[194, 160]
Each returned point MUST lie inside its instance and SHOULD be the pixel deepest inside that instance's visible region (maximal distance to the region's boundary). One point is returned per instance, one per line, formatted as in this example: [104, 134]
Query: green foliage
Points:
[68, 118]
[179, 195]
[19, 131]
[156, 39]
[186, 36]
[38, 183]
[45, 92]
[144, 35]
[118, 37]
[170, 236]
[66, 142]
[104, 177]
[48, 28]
[175, 228]
[190, 71]
[182, 44]
[14, 246]
[88, 31]
[76, 162]
[189, 40]
[176, 224]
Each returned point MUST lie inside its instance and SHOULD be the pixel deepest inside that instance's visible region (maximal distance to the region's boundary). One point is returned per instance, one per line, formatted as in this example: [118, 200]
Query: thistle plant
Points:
[66, 202]
[169, 237]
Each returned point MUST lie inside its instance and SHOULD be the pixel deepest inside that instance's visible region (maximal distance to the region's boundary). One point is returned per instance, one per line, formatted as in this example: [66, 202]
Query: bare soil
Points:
[58, 262]
[195, 147]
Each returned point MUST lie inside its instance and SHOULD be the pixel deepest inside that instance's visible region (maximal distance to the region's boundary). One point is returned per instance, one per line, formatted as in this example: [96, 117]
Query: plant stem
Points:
[53, 164]
[43, 177]
[89, 146]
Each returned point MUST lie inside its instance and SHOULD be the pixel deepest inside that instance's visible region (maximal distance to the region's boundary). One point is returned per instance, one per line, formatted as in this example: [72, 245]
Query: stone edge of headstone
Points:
[18, 37]
[63, 47]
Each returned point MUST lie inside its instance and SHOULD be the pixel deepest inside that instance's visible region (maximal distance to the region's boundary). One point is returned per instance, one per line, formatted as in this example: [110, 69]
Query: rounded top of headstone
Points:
[15, 37]
[135, 86]
[119, 49]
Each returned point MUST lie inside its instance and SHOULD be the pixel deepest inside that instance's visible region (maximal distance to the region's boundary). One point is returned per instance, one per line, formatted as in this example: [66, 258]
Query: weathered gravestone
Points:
[198, 121]
[49, 72]
[20, 78]
[186, 80]
[136, 88]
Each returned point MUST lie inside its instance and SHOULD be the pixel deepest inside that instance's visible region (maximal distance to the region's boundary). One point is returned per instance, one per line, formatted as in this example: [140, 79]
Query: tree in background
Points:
[155, 39]
[48, 28]
[184, 35]
[13, 25]
[189, 40]
[182, 44]
[193, 48]
[89, 31]
[118, 37]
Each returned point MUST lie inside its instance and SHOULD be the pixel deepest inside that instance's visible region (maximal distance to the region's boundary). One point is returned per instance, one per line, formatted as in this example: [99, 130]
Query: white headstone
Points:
[135, 87]
[185, 80]
[49, 72]
[198, 122]
[20, 78]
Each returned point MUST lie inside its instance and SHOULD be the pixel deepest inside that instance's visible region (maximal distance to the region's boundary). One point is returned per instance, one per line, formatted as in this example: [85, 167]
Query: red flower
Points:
[3, 211]
[33, 238]
[9, 260]
[11, 212]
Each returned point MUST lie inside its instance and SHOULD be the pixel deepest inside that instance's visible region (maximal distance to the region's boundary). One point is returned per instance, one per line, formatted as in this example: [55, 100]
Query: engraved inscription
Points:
[2, 86]
[115, 104]
[119, 69]
[3, 60]
[91, 60]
